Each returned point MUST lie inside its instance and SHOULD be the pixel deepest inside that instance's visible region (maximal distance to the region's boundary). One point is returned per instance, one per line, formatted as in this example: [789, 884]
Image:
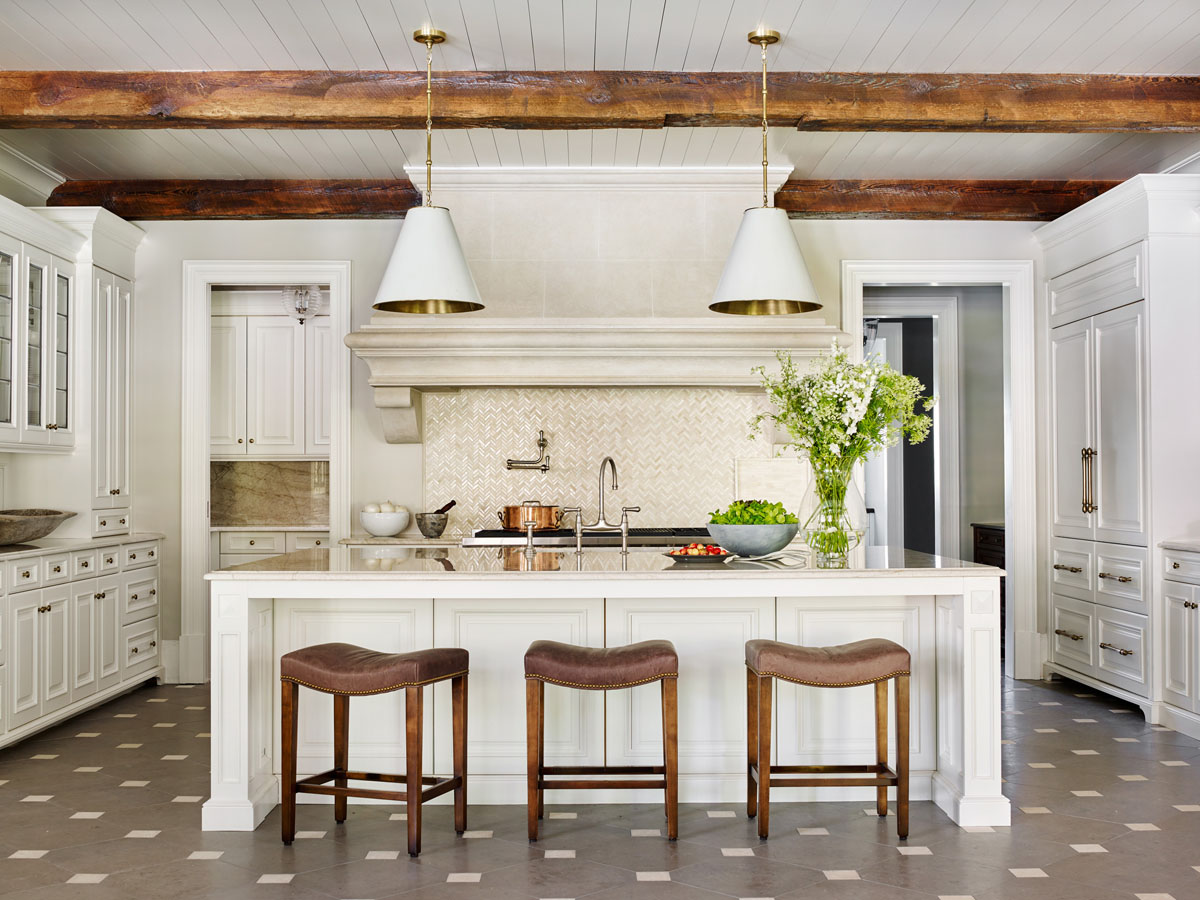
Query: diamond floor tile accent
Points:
[915, 851]
[1088, 848]
[653, 876]
[143, 834]
[27, 854]
[281, 878]
[463, 877]
[562, 815]
[1141, 826]
[722, 814]
[83, 878]
[1087, 793]
[1029, 873]
[310, 835]
[812, 831]
[86, 815]
[560, 854]
[477, 835]
[737, 851]
[645, 832]
[841, 875]
[206, 854]
[1035, 810]
[383, 854]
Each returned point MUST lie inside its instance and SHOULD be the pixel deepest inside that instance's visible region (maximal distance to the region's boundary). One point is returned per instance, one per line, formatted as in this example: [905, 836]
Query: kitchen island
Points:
[495, 602]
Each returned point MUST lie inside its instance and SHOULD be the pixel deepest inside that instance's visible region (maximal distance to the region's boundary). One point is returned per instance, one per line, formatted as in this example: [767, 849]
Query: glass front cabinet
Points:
[37, 298]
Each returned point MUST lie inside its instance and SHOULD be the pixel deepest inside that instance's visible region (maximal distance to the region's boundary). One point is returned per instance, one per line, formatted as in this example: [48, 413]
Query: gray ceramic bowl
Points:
[432, 524]
[753, 540]
[20, 525]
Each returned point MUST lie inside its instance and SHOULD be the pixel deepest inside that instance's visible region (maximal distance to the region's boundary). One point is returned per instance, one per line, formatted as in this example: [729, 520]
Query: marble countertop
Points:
[1190, 544]
[406, 539]
[396, 561]
[320, 528]
[65, 545]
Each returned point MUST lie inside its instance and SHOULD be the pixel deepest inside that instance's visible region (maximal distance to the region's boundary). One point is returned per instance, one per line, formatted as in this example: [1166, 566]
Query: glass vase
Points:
[831, 531]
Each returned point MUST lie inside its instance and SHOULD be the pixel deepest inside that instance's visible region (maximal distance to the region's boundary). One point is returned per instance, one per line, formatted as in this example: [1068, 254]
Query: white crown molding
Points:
[26, 225]
[26, 177]
[1125, 200]
[601, 178]
[88, 220]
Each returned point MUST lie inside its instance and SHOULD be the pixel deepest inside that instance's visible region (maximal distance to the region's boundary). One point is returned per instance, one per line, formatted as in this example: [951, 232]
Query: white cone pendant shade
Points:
[765, 274]
[428, 272]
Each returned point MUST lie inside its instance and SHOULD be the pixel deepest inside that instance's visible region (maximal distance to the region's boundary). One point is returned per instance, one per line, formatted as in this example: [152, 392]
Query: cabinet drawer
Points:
[305, 540]
[140, 641]
[1072, 626]
[109, 559]
[24, 574]
[229, 560]
[138, 555]
[1103, 284]
[111, 521]
[141, 597]
[56, 569]
[84, 563]
[260, 542]
[1180, 565]
[1121, 646]
[1121, 576]
[1072, 567]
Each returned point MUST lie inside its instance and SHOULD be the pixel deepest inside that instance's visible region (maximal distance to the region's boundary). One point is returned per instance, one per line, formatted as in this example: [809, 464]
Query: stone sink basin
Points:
[20, 525]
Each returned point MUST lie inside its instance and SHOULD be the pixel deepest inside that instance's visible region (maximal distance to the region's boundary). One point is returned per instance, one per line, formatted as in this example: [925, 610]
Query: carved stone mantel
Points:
[407, 357]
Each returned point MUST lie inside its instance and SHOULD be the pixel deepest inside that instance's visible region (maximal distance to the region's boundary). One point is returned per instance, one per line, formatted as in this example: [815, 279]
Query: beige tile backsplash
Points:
[674, 448]
[259, 492]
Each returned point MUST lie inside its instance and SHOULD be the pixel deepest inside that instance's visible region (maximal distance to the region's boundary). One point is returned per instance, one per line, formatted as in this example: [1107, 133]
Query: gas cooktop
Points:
[565, 537]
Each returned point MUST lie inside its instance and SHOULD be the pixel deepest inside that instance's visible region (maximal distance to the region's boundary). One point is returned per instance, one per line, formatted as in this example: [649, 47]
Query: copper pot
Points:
[517, 560]
[513, 518]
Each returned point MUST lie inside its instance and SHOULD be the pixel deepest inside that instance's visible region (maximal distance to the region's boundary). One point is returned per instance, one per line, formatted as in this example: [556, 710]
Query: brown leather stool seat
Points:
[347, 669]
[601, 668]
[874, 661]
[862, 662]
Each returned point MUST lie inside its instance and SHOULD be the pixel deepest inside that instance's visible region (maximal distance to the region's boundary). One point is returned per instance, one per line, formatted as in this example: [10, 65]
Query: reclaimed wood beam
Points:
[253, 199]
[811, 101]
[1023, 201]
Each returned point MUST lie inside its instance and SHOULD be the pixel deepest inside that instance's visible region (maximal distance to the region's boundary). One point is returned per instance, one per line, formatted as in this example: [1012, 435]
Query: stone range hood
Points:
[438, 355]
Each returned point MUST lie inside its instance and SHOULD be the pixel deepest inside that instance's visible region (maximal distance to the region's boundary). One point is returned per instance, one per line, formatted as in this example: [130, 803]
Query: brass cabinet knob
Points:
[133, 556]
[57, 569]
[1174, 565]
[318, 543]
[239, 440]
[252, 440]
[151, 554]
[252, 543]
[108, 560]
[133, 596]
[134, 650]
[154, 643]
[25, 574]
[153, 592]
[116, 490]
[84, 564]
[103, 523]
[122, 521]
[97, 596]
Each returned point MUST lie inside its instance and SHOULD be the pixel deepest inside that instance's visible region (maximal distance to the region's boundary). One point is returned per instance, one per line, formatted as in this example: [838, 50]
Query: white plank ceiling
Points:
[1098, 36]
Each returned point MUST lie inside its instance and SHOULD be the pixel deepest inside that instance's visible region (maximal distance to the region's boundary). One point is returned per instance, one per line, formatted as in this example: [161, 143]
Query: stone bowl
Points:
[753, 540]
[432, 524]
[19, 526]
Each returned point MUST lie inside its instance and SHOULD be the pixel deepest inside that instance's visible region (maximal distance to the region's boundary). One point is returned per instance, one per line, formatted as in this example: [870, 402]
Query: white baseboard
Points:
[170, 660]
[1181, 720]
[970, 811]
[1050, 669]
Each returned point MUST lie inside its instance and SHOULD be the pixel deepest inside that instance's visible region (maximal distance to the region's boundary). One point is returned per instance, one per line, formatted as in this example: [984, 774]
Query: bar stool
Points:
[345, 670]
[875, 661]
[600, 669]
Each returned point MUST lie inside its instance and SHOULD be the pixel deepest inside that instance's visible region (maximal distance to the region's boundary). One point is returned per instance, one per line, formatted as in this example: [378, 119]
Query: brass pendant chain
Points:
[764, 119]
[429, 121]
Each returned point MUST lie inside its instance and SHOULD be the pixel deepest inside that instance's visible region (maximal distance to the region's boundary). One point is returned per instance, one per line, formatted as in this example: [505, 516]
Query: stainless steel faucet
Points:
[602, 523]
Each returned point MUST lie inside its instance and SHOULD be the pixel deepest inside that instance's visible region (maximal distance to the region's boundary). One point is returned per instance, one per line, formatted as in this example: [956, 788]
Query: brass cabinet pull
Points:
[103, 594]
[122, 521]
[153, 592]
[1074, 570]
[133, 597]
[1087, 455]
[25, 574]
[1083, 463]
[154, 643]
[116, 490]
[57, 569]
[108, 560]
[1188, 604]
[133, 556]
[134, 650]
[1074, 637]
[1121, 650]
[1174, 565]
[1124, 579]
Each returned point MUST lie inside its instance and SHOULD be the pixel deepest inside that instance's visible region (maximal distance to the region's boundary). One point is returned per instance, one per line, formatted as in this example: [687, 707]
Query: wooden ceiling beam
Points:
[1024, 201]
[811, 101]
[254, 199]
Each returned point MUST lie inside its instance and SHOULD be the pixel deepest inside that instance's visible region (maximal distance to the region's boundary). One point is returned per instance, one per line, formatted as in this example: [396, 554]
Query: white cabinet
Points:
[269, 386]
[111, 336]
[1098, 411]
[1181, 631]
[39, 662]
[109, 599]
[10, 256]
[84, 620]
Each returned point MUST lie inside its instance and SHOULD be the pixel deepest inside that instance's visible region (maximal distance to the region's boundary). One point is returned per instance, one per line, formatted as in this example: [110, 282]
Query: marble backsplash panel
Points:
[674, 448]
[260, 492]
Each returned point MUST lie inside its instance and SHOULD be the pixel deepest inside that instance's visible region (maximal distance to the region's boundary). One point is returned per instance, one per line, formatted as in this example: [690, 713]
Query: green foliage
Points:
[753, 512]
[840, 411]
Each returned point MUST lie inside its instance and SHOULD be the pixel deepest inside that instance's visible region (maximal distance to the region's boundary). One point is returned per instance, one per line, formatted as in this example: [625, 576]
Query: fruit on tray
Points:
[699, 550]
[752, 512]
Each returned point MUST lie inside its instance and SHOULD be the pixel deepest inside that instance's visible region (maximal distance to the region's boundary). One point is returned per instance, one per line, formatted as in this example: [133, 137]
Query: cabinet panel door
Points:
[61, 355]
[1122, 649]
[120, 430]
[1118, 341]
[1071, 421]
[34, 362]
[1179, 645]
[10, 258]
[227, 385]
[56, 648]
[318, 359]
[25, 659]
[496, 633]
[1073, 627]
[102, 310]
[108, 630]
[84, 674]
[710, 638]
[274, 386]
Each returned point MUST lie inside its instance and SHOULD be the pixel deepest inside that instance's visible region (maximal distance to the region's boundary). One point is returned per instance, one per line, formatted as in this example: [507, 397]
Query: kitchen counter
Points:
[320, 528]
[397, 599]
[66, 545]
[1188, 544]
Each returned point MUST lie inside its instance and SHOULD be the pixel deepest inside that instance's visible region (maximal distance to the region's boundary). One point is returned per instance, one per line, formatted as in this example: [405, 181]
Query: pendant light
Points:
[765, 274]
[427, 272]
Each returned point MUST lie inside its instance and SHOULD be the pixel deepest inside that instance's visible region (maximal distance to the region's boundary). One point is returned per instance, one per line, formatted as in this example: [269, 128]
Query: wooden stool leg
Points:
[670, 715]
[413, 720]
[765, 685]
[533, 721]
[541, 747]
[290, 698]
[458, 692]
[902, 755]
[751, 742]
[881, 741]
[341, 750]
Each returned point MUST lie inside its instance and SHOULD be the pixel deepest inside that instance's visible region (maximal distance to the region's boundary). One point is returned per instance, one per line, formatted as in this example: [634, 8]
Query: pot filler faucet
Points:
[602, 523]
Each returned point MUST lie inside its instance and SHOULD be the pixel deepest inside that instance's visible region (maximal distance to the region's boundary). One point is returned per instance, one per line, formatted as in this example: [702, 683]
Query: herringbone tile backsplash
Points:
[674, 450]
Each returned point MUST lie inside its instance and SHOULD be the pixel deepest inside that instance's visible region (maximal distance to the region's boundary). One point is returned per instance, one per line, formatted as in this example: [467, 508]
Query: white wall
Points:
[381, 469]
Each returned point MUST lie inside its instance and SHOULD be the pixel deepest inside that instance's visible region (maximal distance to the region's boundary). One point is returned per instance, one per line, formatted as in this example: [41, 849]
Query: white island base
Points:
[944, 611]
